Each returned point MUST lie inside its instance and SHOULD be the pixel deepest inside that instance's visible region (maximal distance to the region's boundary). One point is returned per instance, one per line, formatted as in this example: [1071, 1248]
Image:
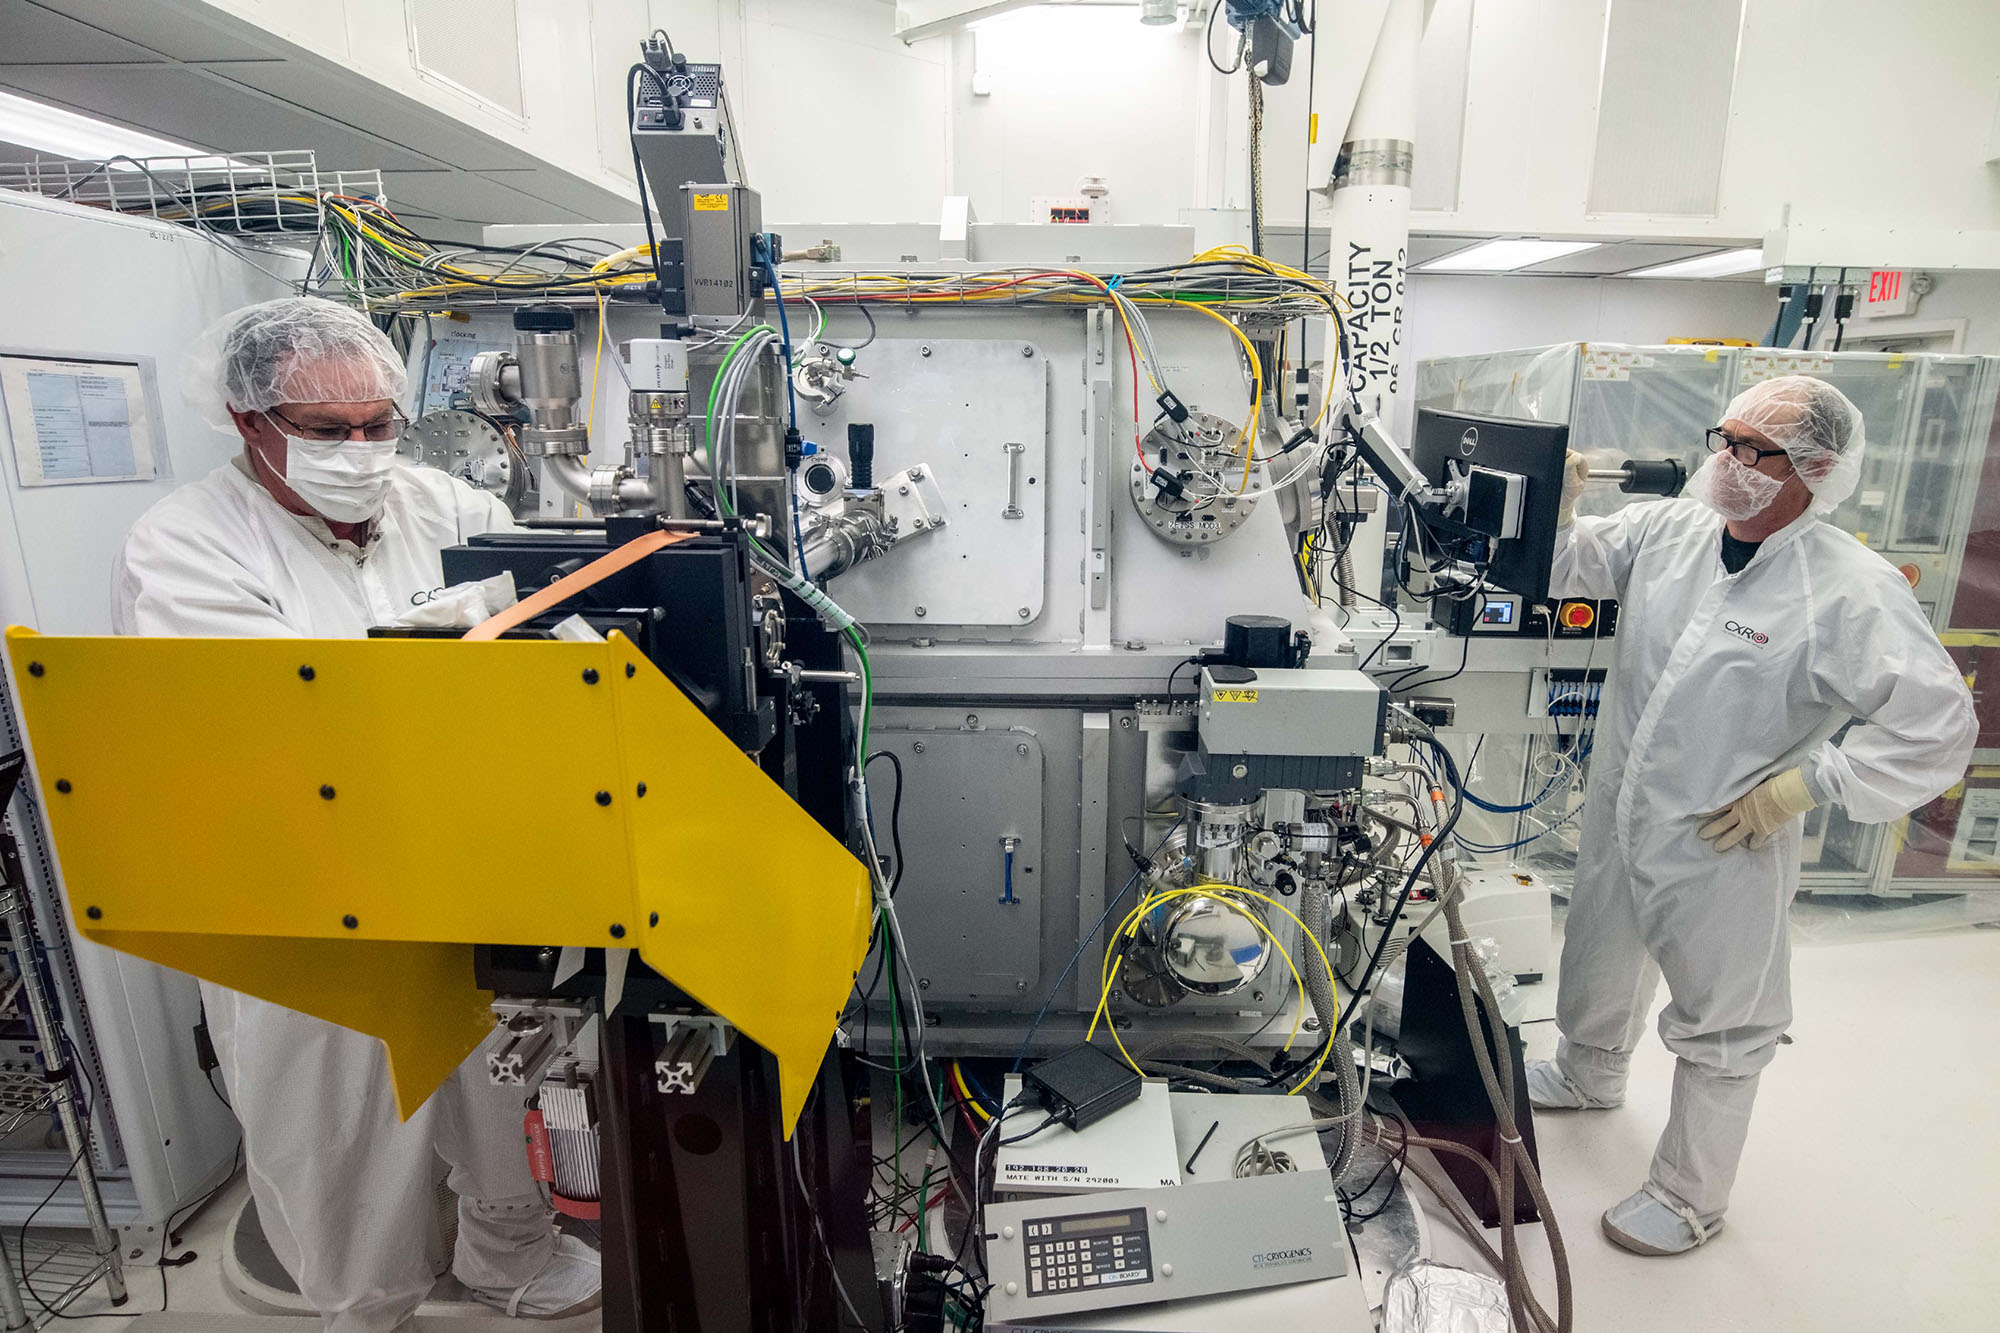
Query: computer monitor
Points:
[1493, 450]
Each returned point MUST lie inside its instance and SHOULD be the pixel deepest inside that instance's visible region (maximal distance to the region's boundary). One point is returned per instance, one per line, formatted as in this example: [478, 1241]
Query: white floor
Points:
[1869, 1198]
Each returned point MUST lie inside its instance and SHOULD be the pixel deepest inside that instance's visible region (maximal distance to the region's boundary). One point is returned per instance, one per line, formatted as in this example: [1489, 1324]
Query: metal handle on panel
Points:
[1015, 453]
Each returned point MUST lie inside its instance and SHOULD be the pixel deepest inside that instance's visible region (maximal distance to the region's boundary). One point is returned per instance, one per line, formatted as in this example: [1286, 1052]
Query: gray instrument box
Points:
[1057, 1256]
[722, 277]
[1304, 711]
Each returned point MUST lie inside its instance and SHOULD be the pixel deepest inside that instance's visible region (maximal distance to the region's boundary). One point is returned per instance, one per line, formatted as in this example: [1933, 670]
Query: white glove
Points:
[1576, 475]
[463, 605]
[1759, 813]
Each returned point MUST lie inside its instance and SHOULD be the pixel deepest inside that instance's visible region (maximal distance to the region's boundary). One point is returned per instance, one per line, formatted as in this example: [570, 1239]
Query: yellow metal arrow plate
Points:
[228, 806]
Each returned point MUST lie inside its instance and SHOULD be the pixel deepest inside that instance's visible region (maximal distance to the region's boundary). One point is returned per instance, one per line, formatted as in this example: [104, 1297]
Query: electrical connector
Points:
[1176, 410]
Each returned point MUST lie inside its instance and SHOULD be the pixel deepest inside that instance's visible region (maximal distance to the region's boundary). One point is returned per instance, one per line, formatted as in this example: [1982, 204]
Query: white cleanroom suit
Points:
[1724, 680]
[343, 1187]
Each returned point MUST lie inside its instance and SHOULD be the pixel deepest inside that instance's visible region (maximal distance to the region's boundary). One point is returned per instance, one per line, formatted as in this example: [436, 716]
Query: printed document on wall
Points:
[76, 422]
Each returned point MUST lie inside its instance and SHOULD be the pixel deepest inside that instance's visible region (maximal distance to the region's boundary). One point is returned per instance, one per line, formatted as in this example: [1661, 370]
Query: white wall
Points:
[1973, 298]
[1846, 114]
[840, 121]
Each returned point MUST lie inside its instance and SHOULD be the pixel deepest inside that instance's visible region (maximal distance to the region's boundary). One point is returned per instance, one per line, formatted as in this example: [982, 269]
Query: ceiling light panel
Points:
[1504, 256]
[1726, 264]
[50, 129]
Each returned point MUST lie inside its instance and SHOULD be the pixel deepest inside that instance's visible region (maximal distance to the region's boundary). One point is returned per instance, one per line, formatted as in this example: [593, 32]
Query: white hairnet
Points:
[1814, 423]
[297, 349]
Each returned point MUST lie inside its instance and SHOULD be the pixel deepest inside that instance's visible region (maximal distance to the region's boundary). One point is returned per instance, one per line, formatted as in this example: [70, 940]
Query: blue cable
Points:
[799, 536]
[979, 1091]
[1007, 894]
[784, 332]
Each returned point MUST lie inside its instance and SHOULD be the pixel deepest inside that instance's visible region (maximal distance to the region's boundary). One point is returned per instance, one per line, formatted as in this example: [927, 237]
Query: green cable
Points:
[867, 687]
[708, 423]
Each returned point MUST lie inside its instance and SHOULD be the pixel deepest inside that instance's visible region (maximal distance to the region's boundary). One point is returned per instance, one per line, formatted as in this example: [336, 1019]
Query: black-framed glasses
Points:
[375, 432]
[1746, 453]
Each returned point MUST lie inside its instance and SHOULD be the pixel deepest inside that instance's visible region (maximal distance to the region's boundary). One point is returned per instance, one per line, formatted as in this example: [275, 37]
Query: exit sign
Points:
[1888, 291]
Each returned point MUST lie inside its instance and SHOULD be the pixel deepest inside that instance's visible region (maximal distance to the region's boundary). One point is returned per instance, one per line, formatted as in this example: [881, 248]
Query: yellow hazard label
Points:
[711, 203]
[1236, 696]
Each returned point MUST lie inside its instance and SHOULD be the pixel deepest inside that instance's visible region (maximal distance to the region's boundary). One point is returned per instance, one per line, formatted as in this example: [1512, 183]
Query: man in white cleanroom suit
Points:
[1748, 633]
[317, 531]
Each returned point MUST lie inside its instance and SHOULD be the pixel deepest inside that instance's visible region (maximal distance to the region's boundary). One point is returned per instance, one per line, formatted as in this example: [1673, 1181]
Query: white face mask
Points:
[1732, 490]
[346, 481]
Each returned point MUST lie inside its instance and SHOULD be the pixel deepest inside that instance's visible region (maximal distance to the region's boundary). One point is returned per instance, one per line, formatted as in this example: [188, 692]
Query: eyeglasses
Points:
[1749, 455]
[375, 432]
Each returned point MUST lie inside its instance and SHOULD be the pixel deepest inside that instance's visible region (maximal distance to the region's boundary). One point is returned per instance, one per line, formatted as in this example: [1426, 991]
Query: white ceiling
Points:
[186, 74]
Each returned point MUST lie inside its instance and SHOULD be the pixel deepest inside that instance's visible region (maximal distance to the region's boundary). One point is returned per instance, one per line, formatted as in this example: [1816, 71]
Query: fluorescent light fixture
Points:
[1154, 13]
[50, 129]
[1726, 264]
[1504, 256]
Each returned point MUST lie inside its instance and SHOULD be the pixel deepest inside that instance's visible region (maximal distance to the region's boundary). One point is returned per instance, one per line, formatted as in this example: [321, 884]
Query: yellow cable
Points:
[613, 261]
[1256, 377]
[1130, 925]
[965, 1091]
[1158, 899]
[1219, 889]
[596, 368]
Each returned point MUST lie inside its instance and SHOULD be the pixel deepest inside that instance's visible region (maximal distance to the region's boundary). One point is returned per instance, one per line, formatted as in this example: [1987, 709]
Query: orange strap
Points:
[571, 584]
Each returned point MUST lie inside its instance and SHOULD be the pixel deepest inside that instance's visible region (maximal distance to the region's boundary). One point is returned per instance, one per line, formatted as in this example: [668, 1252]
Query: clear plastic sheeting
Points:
[1528, 385]
[1819, 919]
[1429, 1297]
[1926, 499]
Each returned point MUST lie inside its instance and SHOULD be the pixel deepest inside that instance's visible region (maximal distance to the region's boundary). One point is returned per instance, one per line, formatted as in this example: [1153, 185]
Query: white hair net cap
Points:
[1814, 423]
[297, 349]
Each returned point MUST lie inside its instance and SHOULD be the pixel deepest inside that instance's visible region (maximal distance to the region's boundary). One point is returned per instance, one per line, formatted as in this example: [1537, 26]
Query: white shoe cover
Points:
[570, 1283]
[1652, 1224]
[1549, 1089]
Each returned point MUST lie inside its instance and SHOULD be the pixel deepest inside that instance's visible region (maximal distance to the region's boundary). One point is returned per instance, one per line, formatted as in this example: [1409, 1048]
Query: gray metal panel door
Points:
[963, 793]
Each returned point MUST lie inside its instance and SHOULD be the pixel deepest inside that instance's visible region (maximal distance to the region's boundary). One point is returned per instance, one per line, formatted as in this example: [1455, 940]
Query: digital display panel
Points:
[1076, 1226]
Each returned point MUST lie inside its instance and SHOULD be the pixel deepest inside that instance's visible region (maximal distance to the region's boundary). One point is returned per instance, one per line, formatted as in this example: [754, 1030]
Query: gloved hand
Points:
[1576, 475]
[1756, 816]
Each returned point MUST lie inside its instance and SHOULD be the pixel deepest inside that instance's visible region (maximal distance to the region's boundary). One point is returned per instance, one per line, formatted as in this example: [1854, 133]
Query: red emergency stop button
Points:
[1576, 615]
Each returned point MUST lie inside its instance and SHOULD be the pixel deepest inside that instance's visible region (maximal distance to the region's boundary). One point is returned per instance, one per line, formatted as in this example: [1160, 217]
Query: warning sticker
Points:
[711, 203]
[1236, 696]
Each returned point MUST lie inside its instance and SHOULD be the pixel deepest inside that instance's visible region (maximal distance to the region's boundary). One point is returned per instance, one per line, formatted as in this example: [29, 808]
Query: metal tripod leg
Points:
[62, 1088]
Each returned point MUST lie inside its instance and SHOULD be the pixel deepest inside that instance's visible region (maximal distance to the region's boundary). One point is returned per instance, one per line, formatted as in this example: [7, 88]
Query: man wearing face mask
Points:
[316, 530]
[1749, 632]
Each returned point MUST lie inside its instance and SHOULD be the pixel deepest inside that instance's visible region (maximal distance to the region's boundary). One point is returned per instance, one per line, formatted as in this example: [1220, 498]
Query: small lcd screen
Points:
[1075, 1226]
[1500, 613]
